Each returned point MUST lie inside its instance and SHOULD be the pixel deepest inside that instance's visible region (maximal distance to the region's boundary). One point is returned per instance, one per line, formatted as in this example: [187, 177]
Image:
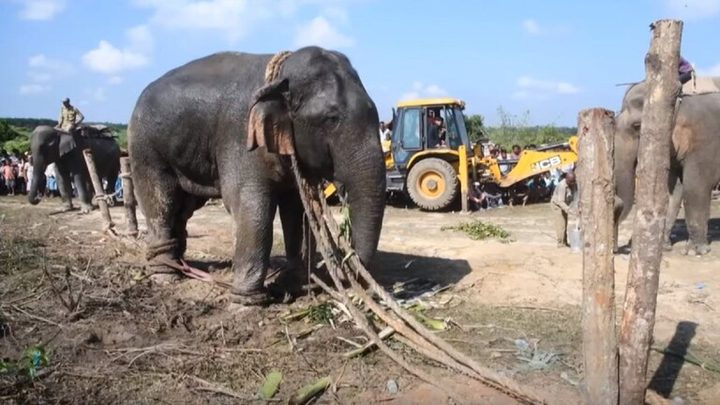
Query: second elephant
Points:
[694, 164]
[51, 146]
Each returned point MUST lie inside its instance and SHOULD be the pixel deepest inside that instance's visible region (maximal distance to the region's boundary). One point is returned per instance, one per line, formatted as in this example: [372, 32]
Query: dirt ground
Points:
[512, 306]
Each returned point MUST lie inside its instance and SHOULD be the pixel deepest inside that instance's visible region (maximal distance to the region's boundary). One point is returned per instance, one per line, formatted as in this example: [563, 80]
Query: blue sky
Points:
[551, 58]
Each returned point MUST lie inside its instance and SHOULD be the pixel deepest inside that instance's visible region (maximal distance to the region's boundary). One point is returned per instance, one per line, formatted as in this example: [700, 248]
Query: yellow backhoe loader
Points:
[435, 165]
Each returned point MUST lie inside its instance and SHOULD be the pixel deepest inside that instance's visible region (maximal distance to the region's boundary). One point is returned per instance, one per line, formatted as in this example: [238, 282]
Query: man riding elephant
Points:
[70, 117]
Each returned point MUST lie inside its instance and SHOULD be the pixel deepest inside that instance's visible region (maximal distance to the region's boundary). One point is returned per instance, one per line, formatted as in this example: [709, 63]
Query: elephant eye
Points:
[636, 126]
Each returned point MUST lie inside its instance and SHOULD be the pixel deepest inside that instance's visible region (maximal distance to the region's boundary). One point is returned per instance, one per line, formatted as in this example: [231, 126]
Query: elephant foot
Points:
[86, 208]
[697, 249]
[255, 298]
[67, 208]
[289, 283]
[163, 274]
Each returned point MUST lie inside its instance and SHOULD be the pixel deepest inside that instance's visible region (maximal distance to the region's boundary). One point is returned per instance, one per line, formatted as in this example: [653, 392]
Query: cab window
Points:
[410, 129]
[453, 136]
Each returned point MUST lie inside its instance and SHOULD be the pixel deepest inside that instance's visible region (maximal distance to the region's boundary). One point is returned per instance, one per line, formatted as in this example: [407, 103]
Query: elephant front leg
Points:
[253, 212]
[676, 194]
[62, 176]
[84, 193]
[291, 210]
[697, 212]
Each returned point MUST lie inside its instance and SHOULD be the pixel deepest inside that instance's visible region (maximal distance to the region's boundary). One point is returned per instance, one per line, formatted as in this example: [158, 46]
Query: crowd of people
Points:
[17, 174]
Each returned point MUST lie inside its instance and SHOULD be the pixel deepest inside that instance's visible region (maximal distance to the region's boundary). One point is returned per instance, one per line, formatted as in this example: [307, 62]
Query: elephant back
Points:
[96, 131]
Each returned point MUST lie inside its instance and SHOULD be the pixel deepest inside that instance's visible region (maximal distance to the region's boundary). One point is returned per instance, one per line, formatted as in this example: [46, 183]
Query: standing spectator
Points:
[504, 167]
[28, 172]
[516, 152]
[9, 176]
[384, 132]
[52, 189]
[563, 202]
[21, 181]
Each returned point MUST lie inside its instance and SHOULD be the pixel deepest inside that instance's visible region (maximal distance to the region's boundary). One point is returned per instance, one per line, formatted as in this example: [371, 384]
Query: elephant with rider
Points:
[222, 126]
[694, 163]
[54, 145]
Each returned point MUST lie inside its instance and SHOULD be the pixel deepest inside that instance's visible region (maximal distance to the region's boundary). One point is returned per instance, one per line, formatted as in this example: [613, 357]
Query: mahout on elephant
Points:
[694, 163]
[221, 127]
[52, 145]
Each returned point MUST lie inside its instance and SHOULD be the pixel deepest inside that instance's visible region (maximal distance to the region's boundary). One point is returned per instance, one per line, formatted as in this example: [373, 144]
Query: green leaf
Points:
[271, 385]
[304, 394]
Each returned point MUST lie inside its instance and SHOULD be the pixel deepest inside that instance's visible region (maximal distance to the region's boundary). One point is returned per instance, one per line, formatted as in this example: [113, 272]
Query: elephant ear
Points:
[67, 144]
[269, 123]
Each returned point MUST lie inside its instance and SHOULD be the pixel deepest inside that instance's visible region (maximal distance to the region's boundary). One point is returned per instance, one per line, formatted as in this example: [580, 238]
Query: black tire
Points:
[432, 184]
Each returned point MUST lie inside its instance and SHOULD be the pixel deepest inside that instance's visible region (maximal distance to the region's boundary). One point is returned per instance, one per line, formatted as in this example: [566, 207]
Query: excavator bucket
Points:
[534, 162]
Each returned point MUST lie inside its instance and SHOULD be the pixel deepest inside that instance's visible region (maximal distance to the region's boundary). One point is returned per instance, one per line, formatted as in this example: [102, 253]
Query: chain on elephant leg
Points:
[159, 256]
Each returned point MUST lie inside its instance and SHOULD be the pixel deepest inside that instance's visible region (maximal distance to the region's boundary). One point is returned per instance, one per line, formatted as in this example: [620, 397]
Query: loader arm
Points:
[534, 162]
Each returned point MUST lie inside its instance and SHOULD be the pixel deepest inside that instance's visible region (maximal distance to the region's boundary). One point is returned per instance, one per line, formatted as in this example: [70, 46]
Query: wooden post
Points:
[651, 196]
[128, 196]
[596, 186]
[97, 185]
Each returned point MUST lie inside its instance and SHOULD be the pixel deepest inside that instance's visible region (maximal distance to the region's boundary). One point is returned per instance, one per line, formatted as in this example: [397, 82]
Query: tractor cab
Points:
[427, 125]
[424, 156]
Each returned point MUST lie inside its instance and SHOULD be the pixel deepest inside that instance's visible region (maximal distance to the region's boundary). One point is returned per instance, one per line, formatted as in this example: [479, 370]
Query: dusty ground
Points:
[130, 340]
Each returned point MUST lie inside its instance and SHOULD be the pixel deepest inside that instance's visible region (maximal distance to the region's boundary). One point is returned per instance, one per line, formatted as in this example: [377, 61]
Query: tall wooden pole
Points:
[128, 196]
[596, 186]
[97, 185]
[651, 197]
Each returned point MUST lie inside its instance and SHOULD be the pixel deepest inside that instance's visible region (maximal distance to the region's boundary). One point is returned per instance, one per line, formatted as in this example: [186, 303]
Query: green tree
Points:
[515, 130]
[7, 132]
[475, 125]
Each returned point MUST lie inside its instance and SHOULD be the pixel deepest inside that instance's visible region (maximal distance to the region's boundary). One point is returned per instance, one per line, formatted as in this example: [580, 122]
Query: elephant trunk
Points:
[625, 171]
[38, 181]
[362, 172]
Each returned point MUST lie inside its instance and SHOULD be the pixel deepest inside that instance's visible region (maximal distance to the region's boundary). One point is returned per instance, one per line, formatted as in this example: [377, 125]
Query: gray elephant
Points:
[51, 146]
[695, 167]
[221, 126]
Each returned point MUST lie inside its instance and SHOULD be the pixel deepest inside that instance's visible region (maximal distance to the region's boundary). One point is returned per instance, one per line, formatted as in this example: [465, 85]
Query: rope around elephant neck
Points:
[272, 70]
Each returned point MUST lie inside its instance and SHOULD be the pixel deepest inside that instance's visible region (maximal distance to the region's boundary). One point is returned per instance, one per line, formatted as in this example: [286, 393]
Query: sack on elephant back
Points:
[702, 85]
[96, 131]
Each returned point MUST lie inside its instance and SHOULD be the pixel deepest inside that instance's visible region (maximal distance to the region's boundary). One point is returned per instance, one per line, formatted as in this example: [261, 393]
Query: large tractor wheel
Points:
[432, 184]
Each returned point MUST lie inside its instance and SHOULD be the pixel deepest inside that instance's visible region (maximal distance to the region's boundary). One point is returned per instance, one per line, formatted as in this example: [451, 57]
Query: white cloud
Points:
[34, 88]
[108, 59]
[43, 70]
[42, 62]
[115, 80]
[531, 27]
[233, 17]
[41, 10]
[421, 90]
[694, 9]
[528, 87]
[320, 32]
[236, 19]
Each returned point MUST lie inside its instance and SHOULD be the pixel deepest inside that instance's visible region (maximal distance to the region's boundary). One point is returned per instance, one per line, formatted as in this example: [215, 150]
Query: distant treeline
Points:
[15, 132]
[515, 130]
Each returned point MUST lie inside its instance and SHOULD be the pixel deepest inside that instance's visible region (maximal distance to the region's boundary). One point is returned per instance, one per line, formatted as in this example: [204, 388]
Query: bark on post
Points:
[597, 198]
[651, 196]
[128, 196]
[97, 185]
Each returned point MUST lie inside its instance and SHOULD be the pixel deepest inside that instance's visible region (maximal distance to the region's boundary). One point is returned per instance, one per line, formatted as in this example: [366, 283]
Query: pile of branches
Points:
[347, 273]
